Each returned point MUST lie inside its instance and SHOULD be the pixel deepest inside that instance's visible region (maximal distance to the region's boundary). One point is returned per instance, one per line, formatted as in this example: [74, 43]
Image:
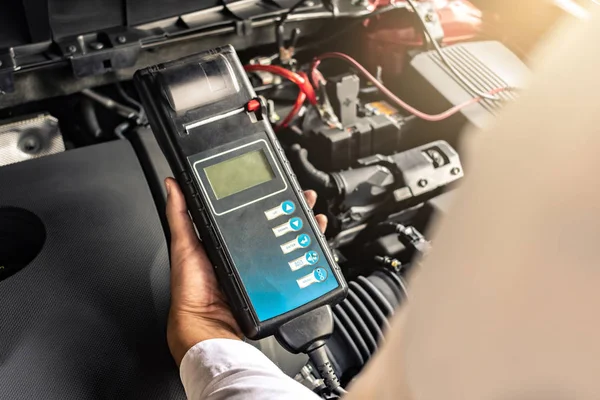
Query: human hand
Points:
[199, 310]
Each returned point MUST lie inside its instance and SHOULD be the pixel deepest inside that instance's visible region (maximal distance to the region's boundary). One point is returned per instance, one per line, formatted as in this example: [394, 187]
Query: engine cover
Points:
[430, 86]
[486, 65]
[86, 317]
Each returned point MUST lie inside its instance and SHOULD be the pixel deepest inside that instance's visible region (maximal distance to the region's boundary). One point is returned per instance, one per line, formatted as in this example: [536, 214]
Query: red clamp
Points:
[298, 78]
[253, 105]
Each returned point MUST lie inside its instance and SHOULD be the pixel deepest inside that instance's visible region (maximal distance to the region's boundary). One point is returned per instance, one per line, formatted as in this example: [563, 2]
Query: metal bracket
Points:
[101, 52]
[7, 68]
[240, 11]
[429, 14]
[231, 10]
[413, 239]
[243, 28]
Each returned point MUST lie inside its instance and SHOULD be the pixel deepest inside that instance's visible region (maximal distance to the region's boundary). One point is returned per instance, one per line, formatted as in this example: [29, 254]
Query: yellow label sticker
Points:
[383, 108]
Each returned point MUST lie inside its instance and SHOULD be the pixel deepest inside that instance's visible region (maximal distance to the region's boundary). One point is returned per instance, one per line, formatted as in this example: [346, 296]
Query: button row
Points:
[301, 241]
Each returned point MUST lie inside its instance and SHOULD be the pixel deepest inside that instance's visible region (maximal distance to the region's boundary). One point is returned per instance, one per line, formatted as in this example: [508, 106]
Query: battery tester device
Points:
[270, 258]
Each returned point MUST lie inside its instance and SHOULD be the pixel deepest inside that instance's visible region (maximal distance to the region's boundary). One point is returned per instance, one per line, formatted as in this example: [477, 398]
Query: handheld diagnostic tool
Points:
[271, 260]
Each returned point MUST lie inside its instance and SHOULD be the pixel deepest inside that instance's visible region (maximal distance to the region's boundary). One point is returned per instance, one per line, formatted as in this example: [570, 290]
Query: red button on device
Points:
[253, 105]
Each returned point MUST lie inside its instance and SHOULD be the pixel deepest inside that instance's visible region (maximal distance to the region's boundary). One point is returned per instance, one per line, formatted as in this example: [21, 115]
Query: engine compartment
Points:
[375, 130]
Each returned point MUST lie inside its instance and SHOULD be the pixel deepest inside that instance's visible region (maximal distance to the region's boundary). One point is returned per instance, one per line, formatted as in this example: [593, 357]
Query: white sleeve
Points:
[219, 369]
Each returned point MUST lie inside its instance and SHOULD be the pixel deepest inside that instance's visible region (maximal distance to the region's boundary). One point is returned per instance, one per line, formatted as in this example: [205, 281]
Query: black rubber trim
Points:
[368, 300]
[377, 296]
[366, 315]
[397, 280]
[392, 284]
[360, 325]
[340, 328]
[353, 331]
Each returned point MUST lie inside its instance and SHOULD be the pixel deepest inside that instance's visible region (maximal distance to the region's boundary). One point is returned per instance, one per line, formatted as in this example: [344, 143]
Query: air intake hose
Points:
[361, 320]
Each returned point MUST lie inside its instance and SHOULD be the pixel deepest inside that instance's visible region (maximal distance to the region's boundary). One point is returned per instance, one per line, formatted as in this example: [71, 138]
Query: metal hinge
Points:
[101, 52]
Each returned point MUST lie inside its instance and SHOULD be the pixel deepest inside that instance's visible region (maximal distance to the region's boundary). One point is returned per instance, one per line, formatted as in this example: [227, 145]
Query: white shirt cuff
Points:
[218, 369]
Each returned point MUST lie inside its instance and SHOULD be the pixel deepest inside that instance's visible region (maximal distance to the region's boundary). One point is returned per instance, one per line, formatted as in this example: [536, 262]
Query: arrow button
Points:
[296, 224]
[304, 240]
[288, 207]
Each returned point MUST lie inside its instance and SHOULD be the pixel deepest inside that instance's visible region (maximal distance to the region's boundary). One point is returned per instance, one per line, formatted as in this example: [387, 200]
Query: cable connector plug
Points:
[308, 334]
[320, 358]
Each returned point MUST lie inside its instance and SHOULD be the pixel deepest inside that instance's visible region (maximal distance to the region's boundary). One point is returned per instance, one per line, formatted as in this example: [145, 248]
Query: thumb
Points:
[183, 235]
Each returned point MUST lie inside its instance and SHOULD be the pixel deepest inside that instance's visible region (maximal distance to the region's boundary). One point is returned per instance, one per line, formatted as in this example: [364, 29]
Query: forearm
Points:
[504, 307]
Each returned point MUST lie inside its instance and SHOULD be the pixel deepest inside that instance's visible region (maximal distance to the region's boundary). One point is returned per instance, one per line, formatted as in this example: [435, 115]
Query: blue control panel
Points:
[289, 271]
[272, 244]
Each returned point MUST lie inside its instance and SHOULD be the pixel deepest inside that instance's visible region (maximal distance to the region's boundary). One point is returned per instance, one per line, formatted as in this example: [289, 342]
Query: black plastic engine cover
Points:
[86, 318]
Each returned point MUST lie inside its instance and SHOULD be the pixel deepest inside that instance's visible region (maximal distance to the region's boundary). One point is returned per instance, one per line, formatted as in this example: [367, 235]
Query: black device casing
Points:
[171, 106]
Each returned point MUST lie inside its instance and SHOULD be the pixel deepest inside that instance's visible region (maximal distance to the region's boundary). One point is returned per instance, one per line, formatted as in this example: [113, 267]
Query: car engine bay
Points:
[369, 100]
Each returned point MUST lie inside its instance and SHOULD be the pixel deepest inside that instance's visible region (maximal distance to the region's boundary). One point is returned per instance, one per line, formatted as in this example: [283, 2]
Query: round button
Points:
[304, 240]
[296, 224]
[320, 274]
[288, 207]
[312, 257]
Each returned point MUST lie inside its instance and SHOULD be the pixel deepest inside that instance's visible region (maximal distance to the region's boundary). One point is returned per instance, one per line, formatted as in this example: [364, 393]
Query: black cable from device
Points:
[308, 334]
[320, 359]
[445, 60]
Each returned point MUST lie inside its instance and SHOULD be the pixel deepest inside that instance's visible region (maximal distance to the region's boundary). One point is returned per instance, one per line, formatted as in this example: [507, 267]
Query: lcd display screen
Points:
[239, 173]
